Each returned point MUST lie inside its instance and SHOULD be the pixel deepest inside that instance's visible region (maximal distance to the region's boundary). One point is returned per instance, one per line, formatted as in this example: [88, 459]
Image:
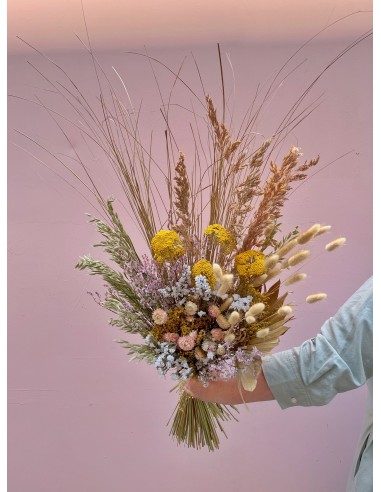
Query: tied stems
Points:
[195, 422]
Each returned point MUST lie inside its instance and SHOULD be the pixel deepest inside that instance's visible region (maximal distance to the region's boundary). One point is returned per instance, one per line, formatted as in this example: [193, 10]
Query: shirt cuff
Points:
[282, 374]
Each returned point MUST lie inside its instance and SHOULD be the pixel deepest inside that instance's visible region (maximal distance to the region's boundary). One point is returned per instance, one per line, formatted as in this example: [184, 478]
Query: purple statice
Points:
[146, 280]
[226, 366]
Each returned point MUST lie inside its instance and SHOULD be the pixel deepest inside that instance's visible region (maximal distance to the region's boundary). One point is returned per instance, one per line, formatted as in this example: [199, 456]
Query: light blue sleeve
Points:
[339, 359]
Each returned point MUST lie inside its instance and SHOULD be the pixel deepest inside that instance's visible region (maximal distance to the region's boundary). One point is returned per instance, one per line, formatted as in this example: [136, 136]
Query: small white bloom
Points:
[221, 350]
[190, 308]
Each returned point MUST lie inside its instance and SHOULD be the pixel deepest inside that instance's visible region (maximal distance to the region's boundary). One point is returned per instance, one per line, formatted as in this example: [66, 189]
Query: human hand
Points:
[227, 392]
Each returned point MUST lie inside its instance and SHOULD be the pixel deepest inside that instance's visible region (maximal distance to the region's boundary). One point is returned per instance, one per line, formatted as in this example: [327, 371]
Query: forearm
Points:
[228, 392]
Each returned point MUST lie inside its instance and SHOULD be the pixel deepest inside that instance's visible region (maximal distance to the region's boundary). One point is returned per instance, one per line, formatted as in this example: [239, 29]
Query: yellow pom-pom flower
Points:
[222, 235]
[250, 263]
[167, 245]
[205, 268]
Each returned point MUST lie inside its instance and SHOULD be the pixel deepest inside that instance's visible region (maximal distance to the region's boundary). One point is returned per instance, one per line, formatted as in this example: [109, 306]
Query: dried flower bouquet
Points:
[208, 300]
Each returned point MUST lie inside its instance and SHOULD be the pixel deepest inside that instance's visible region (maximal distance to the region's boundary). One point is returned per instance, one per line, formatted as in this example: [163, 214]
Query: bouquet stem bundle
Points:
[195, 422]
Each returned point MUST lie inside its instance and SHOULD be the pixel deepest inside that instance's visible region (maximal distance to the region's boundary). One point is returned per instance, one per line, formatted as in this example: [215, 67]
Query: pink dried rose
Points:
[159, 316]
[217, 334]
[186, 343]
[171, 337]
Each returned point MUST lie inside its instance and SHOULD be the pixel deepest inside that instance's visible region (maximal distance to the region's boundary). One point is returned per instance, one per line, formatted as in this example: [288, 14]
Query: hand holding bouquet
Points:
[207, 300]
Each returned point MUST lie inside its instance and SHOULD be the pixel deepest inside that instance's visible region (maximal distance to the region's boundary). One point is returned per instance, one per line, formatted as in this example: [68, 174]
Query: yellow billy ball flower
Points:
[167, 245]
[205, 268]
[222, 235]
[250, 263]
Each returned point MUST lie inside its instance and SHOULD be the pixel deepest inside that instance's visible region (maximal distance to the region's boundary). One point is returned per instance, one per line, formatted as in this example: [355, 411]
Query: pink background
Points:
[81, 417]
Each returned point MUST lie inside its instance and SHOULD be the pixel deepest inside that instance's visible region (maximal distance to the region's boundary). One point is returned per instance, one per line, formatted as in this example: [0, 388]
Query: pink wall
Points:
[81, 417]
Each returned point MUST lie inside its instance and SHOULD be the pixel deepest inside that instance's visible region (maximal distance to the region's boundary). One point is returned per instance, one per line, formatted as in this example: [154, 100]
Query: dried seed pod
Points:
[226, 304]
[271, 261]
[284, 310]
[217, 270]
[222, 322]
[259, 280]
[307, 235]
[229, 337]
[286, 248]
[295, 278]
[324, 229]
[256, 308]
[275, 271]
[335, 244]
[262, 333]
[298, 257]
[226, 283]
[234, 318]
[316, 297]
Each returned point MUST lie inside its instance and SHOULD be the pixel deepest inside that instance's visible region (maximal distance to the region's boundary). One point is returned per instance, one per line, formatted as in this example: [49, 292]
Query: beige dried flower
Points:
[316, 297]
[256, 308]
[190, 308]
[226, 283]
[271, 261]
[324, 229]
[275, 271]
[262, 333]
[284, 310]
[229, 338]
[309, 234]
[286, 248]
[226, 304]
[234, 318]
[217, 270]
[221, 350]
[223, 322]
[199, 353]
[295, 278]
[298, 257]
[259, 280]
[335, 244]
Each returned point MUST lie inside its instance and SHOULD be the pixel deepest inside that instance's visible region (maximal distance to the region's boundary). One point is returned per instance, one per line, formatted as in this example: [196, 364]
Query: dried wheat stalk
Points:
[275, 193]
